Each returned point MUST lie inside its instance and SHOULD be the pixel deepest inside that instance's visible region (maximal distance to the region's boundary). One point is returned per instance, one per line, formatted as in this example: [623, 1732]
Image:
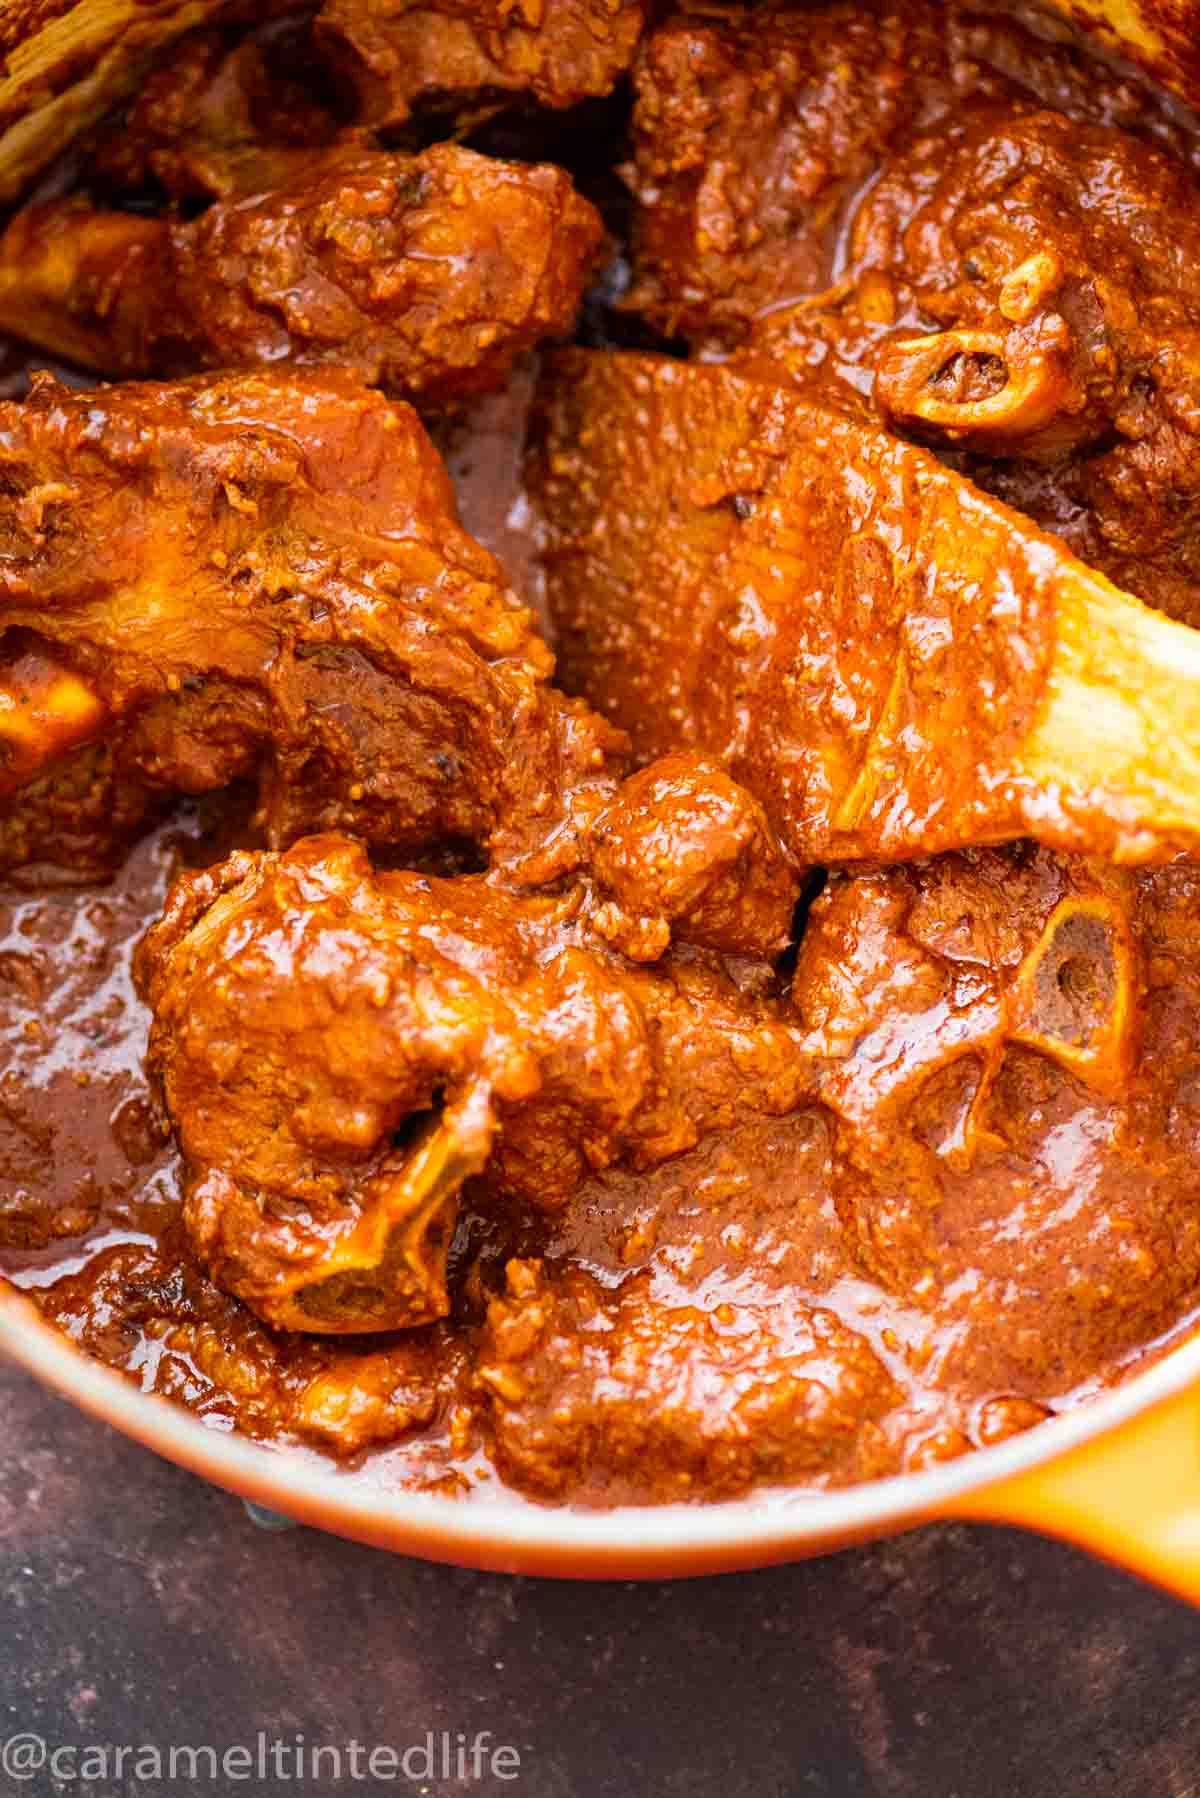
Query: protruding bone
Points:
[45, 710]
[981, 385]
[386, 1270]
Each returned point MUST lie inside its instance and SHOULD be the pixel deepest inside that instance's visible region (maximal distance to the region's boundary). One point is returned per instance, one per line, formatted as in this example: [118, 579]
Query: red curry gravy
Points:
[748, 1226]
[760, 1310]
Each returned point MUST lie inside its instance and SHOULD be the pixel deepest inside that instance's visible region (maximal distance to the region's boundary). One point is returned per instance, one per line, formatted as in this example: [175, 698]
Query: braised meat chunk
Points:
[214, 1355]
[950, 964]
[1021, 292]
[398, 57]
[284, 595]
[890, 661]
[1066, 263]
[620, 1392]
[227, 115]
[757, 128]
[75, 821]
[426, 274]
[760, 1046]
[307, 1012]
[752, 129]
[1038, 248]
[1006, 1041]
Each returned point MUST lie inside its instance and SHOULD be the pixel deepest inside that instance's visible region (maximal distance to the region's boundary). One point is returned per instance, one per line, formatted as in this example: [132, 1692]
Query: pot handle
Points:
[1131, 1495]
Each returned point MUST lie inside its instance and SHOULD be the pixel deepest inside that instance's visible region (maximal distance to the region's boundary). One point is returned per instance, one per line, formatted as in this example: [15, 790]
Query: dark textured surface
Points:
[138, 1605]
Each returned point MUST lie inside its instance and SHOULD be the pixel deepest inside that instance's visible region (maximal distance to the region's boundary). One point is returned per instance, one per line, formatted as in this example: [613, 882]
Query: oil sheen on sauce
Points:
[752, 1224]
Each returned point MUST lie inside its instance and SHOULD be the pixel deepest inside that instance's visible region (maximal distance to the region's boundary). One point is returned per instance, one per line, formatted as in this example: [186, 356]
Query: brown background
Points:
[138, 1604]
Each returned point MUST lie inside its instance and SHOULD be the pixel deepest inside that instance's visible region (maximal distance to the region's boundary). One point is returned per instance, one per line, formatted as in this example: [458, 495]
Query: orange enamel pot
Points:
[1120, 1476]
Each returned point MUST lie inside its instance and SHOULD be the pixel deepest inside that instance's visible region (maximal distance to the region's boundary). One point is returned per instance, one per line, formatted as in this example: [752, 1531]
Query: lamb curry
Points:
[600, 738]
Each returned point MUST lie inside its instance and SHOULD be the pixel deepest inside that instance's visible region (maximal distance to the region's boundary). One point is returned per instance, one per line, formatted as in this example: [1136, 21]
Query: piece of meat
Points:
[227, 115]
[751, 131]
[210, 1353]
[1058, 263]
[65, 811]
[264, 577]
[1006, 1041]
[903, 976]
[619, 1393]
[1019, 290]
[755, 129]
[67, 65]
[397, 57]
[682, 852]
[309, 1014]
[75, 822]
[426, 274]
[892, 662]
[1053, 274]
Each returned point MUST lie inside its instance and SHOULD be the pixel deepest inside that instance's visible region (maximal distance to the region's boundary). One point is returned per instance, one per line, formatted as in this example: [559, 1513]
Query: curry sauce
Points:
[759, 1049]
